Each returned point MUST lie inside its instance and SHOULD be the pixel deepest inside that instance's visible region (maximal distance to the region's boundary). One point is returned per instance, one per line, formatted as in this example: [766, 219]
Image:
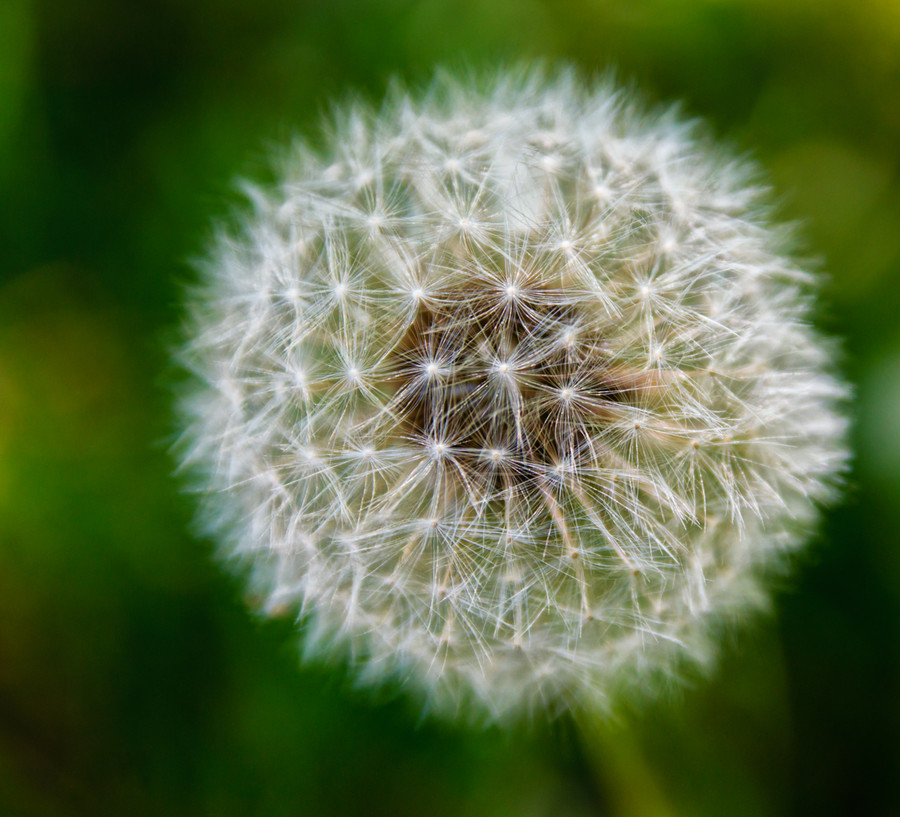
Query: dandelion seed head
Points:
[512, 391]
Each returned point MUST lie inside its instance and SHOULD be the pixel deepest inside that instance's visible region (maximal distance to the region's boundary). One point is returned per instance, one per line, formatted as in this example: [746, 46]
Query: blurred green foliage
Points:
[132, 678]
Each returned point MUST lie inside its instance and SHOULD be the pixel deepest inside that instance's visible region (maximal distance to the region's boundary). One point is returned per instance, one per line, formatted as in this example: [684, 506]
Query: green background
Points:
[132, 678]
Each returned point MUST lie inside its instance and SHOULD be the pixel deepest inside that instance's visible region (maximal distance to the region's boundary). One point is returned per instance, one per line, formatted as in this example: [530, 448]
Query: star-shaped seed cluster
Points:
[512, 391]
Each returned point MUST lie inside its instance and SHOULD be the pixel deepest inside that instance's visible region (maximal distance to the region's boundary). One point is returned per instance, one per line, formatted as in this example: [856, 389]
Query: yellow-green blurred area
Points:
[132, 678]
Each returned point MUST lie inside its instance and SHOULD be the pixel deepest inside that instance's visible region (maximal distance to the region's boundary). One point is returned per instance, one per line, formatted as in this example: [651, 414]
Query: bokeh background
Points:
[132, 678]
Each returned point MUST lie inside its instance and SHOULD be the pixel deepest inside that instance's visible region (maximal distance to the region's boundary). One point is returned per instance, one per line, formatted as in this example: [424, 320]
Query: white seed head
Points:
[512, 392]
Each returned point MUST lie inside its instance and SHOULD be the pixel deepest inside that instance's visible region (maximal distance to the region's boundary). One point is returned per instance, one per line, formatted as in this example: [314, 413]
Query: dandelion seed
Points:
[533, 459]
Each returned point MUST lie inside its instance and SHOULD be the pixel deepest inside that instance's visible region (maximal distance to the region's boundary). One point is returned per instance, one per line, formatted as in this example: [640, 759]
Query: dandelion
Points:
[511, 393]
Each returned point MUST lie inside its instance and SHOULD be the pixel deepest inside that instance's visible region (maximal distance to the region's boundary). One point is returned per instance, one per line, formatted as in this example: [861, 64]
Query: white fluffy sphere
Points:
[511, 390]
